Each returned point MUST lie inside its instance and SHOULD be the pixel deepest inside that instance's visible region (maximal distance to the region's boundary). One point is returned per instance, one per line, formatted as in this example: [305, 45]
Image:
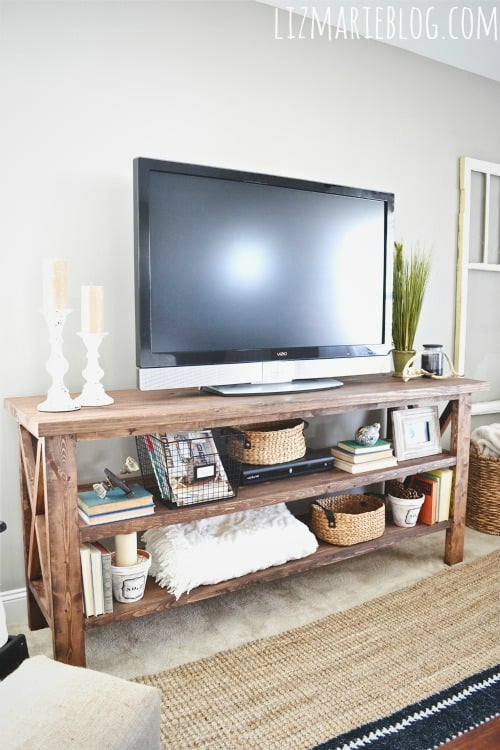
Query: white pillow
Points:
[215, 549]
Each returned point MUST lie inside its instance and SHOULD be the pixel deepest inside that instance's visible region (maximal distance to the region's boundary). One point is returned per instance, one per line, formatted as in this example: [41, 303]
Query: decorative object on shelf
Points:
[416, 432]
[189, 467]
[410, 278]
[432, 359]
[209, 550]
[117, 482]
[272, 442]
[102, 488]
[367, 434]
[348, 519]
[410, 371]
[55, 312]
[93, 393]
[126, 549]
[405, 503]
[130, 466]
[92, 334]
[129, 581]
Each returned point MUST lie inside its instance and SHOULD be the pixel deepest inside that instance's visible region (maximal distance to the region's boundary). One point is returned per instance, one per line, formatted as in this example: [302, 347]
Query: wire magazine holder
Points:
[187, 468]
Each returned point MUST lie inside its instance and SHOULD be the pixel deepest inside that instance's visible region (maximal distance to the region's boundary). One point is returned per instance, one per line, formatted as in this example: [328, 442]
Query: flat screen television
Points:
[258, 282]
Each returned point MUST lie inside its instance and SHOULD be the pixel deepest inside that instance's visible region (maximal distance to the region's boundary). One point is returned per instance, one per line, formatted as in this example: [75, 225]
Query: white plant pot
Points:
[405, 512]
[129, 582]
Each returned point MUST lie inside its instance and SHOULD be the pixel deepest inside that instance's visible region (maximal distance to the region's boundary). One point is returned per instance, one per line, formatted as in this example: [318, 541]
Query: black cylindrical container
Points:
[432, 359]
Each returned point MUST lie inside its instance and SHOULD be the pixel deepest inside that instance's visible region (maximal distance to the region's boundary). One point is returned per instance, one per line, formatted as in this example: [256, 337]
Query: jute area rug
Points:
[302, 687]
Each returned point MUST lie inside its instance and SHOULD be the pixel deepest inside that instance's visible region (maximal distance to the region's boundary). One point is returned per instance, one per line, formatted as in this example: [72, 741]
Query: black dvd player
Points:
[313, 461]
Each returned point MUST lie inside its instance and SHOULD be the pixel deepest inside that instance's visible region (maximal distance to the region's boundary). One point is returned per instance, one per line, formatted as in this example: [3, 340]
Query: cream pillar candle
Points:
[55, 286]
[92, 309]
[125, 549]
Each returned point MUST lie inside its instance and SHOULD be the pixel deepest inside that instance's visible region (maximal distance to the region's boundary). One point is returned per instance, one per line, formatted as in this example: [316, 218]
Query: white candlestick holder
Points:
[93, 393]
[58, 398]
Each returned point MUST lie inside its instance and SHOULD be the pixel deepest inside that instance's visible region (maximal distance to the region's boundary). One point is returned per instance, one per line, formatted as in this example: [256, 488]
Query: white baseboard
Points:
[14, 602]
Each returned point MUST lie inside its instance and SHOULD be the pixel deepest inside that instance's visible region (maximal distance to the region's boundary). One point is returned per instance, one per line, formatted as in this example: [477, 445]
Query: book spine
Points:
[88, 594]
[107, 583]
[96, 568]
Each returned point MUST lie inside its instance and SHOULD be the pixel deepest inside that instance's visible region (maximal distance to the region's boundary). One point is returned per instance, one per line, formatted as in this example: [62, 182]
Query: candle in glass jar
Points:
[92, 309]
[54, 284]
[125, 549]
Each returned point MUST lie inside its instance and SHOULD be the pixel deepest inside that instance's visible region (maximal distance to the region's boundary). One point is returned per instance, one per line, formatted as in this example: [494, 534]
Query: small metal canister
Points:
[432, 359]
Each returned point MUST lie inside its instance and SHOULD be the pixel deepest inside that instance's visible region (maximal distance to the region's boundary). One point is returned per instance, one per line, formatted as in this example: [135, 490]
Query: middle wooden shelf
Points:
[267, 493]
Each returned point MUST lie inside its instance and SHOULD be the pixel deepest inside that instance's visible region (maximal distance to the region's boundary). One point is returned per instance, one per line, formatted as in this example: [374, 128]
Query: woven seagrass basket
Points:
[271, 443]
[348, 519]
[483, 493]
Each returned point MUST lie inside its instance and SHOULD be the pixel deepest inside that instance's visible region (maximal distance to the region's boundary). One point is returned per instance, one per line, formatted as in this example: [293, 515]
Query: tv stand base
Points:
[267, 389]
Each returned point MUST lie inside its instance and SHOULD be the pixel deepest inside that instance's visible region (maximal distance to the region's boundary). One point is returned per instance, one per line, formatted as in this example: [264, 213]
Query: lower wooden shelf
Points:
[157, 599]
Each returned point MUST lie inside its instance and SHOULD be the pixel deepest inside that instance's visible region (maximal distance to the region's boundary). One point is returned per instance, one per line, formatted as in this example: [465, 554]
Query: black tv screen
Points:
[238, 267]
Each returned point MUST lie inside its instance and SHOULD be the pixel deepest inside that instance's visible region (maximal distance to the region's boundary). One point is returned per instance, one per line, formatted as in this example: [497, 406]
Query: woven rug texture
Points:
[300, 688]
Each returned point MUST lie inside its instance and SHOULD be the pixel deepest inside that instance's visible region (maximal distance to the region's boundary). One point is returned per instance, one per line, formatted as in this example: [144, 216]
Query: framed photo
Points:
[416, 432]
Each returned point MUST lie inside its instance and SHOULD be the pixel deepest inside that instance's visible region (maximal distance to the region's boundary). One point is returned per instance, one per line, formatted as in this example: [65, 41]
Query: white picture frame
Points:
[416, 432]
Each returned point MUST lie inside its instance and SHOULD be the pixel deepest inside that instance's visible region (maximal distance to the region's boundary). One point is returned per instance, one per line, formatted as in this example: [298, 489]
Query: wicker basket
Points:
[272, 443]
[483, 493]
[348, 519]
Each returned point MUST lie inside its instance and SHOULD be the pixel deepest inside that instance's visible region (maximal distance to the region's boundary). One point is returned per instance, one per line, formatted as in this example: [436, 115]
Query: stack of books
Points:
[96, 578]
[356, 459]
[436, 486]
[115, 506]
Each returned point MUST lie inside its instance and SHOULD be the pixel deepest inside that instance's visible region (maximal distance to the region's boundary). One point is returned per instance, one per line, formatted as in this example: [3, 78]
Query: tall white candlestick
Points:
[55, 285]
[125, 549]
[92, 309]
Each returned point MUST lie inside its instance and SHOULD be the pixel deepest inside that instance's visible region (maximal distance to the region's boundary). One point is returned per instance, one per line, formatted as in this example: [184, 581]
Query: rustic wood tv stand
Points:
[53, 531]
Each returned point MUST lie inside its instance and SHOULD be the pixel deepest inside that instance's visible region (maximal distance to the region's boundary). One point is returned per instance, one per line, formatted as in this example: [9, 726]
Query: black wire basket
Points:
[187, 468]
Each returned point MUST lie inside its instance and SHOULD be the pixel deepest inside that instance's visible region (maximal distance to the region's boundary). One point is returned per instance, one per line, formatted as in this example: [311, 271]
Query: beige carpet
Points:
[304, 686]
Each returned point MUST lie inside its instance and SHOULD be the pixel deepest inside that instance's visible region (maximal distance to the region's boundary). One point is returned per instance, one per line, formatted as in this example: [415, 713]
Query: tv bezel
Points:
[193, 368]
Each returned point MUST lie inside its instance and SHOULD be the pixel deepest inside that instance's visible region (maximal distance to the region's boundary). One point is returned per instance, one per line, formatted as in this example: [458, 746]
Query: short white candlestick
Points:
[58, 398]
[93, 393]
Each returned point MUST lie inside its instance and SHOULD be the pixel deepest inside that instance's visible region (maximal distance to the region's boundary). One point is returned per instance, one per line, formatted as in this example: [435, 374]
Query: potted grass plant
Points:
[410, 276]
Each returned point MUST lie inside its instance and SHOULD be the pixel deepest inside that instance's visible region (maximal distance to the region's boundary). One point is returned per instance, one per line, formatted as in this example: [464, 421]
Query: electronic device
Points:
[251, 279]
[314, 460]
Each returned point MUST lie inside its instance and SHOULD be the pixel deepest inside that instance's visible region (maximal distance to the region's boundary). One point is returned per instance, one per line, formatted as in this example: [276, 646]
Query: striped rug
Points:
[431, 722]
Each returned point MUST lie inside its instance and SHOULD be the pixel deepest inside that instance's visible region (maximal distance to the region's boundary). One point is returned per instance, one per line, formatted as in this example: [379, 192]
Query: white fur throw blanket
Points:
[215, 549]
[488, 439]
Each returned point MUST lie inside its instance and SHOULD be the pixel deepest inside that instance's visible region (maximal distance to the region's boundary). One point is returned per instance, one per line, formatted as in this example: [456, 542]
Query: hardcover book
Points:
[445, 478]
[119, 515]
[107, 583]
[367, 466]
[88, 594]
[353, 447]
[360, 458]
[429, 487]
[97, 584]
[114, 500]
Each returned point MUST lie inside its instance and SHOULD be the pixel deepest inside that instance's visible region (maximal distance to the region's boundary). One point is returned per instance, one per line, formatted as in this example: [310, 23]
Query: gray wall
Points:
[88, 86]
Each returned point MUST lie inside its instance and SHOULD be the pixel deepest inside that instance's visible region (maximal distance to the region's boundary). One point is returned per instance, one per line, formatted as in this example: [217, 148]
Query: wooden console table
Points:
[49, 485]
